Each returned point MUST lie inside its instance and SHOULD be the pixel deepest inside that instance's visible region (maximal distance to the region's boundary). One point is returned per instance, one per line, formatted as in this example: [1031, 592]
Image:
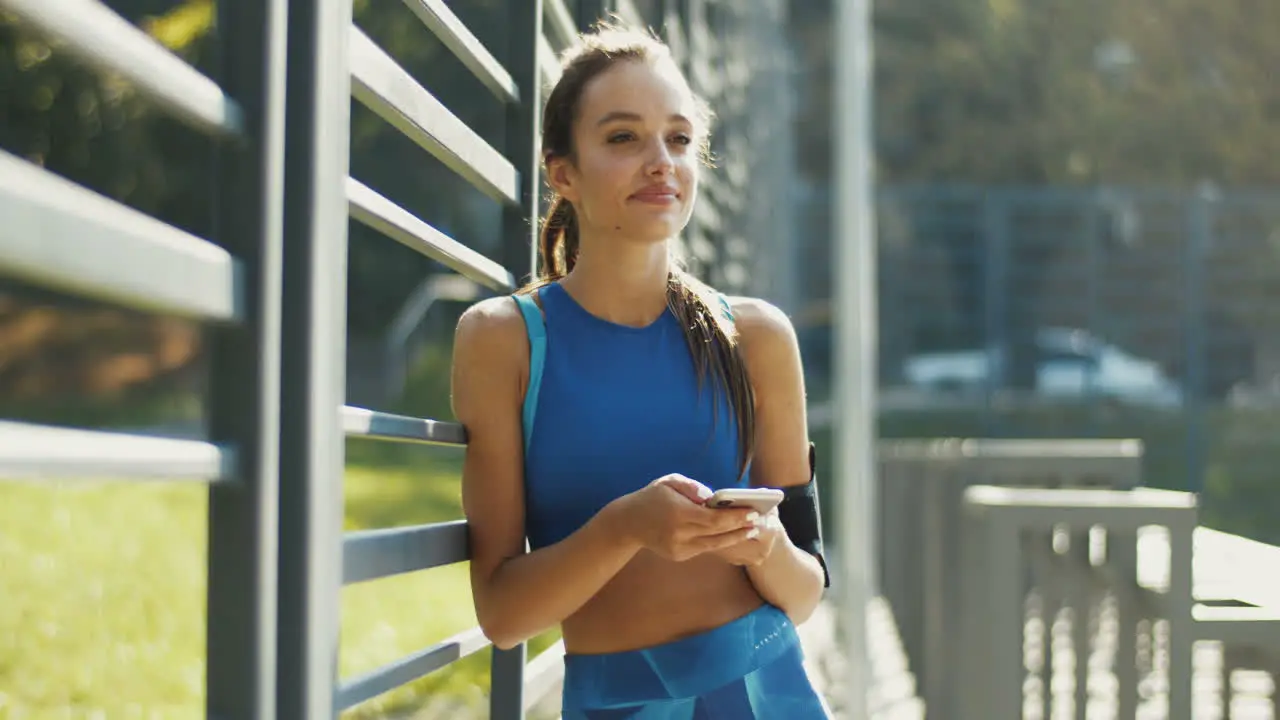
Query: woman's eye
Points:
[620, 137]
[681, 139]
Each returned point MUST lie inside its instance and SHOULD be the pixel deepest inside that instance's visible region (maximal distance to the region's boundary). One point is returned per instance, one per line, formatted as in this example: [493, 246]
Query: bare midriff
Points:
[654, 601]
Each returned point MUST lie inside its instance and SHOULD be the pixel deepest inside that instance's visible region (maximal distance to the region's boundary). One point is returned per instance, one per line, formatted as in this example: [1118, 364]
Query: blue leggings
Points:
[748, 669]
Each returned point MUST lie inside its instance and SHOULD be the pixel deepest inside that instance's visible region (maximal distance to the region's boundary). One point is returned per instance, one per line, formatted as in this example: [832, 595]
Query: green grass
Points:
[102, 595]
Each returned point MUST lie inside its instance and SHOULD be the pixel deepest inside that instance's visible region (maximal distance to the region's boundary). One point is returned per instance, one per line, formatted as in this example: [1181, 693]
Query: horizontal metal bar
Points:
[379, 213]
[372, 554]
[557, 18]
[58, 234]
[385, 88]
[98, 36]
[1117, 510]
[1049, 450]
[1070, 498]
[392, 676]
[543, 673]
[44, 452]
[548, 62]
[454, 34]
[360, 422]
[1057, 448]
[1227, 566]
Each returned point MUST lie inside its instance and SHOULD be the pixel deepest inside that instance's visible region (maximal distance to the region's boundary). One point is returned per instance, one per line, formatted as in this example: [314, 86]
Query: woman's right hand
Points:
[668, 517]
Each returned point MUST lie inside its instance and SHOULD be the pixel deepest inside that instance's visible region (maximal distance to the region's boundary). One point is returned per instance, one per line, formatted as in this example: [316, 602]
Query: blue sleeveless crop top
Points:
[616, 407]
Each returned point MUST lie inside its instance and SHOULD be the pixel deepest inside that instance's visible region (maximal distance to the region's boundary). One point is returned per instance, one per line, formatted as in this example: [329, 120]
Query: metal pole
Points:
[855, 325]
[1199, 239]
[313, 357]
[995, 211]
[524, 131]
[245, 402]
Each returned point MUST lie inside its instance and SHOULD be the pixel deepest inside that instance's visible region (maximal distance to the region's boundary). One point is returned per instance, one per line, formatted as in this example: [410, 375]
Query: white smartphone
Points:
[762, 500]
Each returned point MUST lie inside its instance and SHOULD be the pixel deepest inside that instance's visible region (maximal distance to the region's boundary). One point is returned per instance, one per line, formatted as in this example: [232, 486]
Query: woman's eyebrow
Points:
[617, 115]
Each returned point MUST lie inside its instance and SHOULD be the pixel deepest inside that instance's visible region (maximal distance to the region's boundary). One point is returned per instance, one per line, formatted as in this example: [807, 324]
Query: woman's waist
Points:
[654, 601]
[684, 668]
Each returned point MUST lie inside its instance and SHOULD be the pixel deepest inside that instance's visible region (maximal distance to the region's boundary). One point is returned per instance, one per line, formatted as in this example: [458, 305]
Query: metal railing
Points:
[1107, 601]
[921, 484]
[1035, 578]
[59, 235]
[1070, 549]
[330, 52]
[1237, 607]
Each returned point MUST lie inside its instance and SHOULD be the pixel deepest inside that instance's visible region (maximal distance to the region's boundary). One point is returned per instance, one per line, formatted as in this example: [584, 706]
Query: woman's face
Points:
[636, 169]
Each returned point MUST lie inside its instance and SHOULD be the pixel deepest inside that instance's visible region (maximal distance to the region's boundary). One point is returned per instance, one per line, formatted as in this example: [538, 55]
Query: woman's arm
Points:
[518, 595]
[786, 576]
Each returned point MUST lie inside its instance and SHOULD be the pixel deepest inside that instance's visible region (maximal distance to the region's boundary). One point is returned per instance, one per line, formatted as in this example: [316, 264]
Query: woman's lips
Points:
[657, 196]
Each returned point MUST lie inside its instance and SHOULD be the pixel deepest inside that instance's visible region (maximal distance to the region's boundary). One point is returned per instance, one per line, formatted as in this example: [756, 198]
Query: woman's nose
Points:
[660, 161]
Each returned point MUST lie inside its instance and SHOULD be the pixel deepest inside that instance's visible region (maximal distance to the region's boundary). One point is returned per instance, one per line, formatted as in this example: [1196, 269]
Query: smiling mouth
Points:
[656, 198]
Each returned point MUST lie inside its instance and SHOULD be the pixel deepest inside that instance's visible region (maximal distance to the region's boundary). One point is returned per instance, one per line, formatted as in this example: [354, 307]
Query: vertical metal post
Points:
[699, 253]
[1123, 555]
[673, 33]
[1199, 238]
[682, 13]
[244, 402]
[1097, 268]
[855, 383]
[312, 389]
[1180, 598]
[995, 223]
[1001, 693]
[520, 223]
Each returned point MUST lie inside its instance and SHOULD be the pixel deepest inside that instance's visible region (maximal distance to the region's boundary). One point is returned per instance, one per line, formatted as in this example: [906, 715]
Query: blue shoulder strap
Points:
[537, 359]
[724, 301]
[537, 332]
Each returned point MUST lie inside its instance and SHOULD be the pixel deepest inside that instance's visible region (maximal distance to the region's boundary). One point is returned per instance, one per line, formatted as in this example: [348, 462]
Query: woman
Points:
[653, 392]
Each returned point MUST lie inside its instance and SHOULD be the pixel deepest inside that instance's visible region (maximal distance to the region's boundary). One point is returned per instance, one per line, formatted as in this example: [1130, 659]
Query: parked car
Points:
[1070, 364]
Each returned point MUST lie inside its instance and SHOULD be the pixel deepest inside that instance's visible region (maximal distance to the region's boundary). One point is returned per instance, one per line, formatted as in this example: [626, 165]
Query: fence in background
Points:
[1016, 539]
[921, 485]
[1166, 295]
[1038, 577]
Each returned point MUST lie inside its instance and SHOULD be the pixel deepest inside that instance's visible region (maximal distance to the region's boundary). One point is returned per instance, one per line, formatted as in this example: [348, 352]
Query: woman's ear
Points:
[561, 178]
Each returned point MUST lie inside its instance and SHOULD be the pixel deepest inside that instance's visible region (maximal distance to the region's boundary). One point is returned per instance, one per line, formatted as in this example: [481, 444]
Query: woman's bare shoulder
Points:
[490, 361]
[760, 321]
[492, 326]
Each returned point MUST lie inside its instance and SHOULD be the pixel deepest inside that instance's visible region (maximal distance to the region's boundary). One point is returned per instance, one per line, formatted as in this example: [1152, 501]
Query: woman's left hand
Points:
[754, 551]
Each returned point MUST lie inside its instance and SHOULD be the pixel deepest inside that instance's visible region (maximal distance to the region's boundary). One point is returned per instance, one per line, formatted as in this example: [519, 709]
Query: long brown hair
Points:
[710, 332]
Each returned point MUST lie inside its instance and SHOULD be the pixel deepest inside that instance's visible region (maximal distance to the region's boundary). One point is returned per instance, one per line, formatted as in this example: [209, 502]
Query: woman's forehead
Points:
[638, 90]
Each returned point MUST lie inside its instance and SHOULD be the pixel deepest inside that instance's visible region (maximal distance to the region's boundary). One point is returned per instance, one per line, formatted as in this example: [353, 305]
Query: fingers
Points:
[726, 519]
[719, 541]
[689, 488]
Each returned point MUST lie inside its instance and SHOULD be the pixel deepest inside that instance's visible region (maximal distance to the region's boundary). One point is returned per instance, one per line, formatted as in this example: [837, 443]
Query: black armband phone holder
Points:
[801, 517]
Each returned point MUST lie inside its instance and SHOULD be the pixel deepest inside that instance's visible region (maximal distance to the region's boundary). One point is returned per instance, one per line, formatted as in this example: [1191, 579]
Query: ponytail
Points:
[713, 342]
[558, 241]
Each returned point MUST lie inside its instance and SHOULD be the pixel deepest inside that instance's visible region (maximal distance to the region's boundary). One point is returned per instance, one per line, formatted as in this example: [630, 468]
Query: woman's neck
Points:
[620, 283]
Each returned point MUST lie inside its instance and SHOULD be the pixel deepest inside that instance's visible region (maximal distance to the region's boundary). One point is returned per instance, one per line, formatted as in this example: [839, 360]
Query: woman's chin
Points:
[654, 229]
